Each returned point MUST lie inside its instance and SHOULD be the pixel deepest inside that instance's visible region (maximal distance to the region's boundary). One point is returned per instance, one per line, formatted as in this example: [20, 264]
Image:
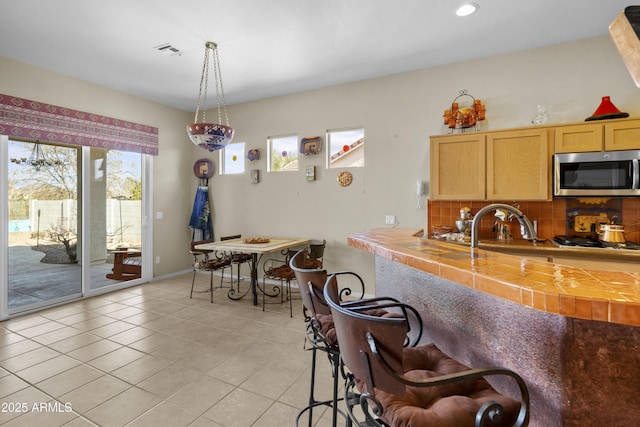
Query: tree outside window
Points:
[283, 153]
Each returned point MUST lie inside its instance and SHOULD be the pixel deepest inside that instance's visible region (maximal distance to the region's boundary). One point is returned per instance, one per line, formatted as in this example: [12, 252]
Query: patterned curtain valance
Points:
[27, 119]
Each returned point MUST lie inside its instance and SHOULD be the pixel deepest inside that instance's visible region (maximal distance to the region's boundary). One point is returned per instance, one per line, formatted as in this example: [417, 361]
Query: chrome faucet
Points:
[526, 228]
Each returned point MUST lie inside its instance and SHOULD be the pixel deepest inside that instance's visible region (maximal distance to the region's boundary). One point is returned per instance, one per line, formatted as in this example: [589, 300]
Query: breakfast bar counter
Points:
[572, 333]
[554, 288]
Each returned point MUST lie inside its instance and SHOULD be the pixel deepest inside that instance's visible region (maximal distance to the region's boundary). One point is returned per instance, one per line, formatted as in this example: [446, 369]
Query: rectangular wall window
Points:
[345, 148]
[283, 153]
[232, 158]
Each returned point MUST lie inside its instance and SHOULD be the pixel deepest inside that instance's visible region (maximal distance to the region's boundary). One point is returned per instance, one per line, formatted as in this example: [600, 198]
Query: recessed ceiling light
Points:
[467, 9]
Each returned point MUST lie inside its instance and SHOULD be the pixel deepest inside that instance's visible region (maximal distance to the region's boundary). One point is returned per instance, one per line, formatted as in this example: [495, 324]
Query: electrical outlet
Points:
[390, 220]
[157, 260]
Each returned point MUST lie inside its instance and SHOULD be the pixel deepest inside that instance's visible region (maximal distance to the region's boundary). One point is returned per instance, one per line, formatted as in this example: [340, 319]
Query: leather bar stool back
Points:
[392, 384]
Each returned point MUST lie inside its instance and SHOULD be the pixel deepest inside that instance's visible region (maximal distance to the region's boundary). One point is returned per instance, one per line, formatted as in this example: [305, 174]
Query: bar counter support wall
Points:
[579, 372]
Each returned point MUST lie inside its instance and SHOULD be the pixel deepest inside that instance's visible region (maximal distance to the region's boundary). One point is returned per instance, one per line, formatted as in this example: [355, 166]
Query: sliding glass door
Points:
[43, 224]
[115, 217]
[73, 222]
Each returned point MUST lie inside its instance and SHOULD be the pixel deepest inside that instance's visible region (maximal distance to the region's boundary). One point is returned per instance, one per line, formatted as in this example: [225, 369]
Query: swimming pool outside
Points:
[19, 225]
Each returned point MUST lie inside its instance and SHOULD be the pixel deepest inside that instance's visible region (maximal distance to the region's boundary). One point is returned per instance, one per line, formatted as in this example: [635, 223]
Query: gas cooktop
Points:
[589, 242]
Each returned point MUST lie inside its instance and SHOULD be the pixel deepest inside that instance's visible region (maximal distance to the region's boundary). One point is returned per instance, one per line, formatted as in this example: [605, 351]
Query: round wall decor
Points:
[345, 178]
[203, 168]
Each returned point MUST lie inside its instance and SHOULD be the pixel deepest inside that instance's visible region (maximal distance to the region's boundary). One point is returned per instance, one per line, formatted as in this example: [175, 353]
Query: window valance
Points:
[28, 119]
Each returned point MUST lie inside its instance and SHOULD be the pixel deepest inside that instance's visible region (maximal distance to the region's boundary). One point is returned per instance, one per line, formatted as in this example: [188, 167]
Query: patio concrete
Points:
[32, 281]
[23, 259]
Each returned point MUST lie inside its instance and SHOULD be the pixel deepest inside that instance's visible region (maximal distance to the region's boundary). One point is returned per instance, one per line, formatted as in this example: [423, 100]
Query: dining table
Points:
[257, 247]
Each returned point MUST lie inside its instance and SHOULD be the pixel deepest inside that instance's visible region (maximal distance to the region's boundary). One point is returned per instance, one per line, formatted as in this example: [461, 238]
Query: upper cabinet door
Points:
[519, 165]
[457, 167]
[578, 138]
[622, 135]
[598, 136]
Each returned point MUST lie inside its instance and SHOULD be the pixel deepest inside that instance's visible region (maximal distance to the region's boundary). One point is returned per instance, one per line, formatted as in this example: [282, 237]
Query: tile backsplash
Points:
[554, 217]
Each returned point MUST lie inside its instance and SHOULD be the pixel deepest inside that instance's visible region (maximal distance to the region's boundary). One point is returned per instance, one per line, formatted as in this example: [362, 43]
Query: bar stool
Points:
[393, 384]
[320, 333]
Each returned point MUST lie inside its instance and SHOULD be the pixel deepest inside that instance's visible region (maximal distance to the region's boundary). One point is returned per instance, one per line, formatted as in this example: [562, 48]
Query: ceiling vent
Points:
[168, 49]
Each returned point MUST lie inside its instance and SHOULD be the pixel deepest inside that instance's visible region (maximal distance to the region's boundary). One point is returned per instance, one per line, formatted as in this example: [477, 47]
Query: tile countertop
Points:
[608, 296]
[548, 248]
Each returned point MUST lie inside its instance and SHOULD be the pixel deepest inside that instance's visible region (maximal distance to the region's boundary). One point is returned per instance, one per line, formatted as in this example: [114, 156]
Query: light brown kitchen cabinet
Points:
[598, 136]
[519, 164]
[515, 164]
[622, 135]
[578, 138]
[457, 167]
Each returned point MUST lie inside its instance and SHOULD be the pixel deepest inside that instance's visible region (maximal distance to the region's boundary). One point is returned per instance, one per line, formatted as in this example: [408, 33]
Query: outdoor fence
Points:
[123, 218]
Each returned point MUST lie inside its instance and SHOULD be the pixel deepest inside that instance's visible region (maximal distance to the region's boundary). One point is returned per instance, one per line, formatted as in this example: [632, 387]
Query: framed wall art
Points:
[310, 145]
[255, 176]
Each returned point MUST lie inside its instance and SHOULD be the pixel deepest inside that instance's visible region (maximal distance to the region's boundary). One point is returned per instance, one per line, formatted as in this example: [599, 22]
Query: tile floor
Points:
[150, 356]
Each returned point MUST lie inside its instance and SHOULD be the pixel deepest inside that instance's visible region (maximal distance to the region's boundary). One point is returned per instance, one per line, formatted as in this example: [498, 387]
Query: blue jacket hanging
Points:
[201, 214]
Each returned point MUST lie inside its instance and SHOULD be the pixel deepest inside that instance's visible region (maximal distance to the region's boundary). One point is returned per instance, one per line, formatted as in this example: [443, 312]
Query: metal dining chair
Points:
[278, 270]
[237, 259]
[316, 252]
[206, 260]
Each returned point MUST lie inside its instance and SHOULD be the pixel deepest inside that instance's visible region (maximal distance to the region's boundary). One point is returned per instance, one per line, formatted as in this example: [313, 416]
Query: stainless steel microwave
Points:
[608, 173]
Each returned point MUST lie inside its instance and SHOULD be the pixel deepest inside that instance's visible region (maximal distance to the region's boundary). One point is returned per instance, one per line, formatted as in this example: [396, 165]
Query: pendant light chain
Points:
[203, 79]
[219, 91]
[211, 136]
[204, 85]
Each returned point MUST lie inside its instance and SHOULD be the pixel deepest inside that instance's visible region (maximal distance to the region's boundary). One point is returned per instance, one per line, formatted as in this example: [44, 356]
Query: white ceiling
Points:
[274, 47]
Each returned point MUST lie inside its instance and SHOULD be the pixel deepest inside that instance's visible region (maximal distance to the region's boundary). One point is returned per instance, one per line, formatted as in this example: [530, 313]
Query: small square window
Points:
[345, 148]
[283, 153]
[232, 158]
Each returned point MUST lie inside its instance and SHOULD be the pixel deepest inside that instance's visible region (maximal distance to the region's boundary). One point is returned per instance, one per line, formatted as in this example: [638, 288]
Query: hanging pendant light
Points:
[210, 136]
[37, 159]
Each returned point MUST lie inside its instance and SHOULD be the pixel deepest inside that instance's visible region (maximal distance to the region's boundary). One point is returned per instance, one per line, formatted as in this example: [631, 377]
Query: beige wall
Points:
[398, 114]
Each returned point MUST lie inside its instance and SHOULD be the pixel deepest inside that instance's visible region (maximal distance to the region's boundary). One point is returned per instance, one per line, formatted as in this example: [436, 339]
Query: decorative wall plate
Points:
[203, 168]
[310, 145]
[253, 154]
[345, 178]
